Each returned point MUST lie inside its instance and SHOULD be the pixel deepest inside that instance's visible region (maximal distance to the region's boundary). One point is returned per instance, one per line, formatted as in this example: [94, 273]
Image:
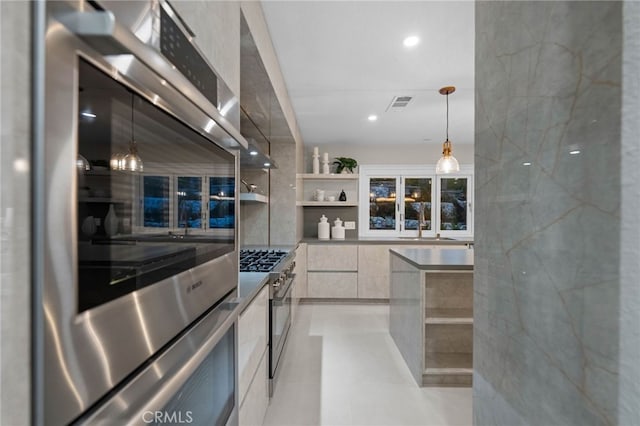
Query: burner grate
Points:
[260, 260]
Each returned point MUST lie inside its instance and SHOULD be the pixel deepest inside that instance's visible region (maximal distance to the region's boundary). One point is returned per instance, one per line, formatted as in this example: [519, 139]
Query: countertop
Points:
[249, 285]
[392, 240]
[437, 258]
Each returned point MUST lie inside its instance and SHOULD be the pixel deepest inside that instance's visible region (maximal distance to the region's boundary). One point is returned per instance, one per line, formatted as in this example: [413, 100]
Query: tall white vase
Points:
[111, 222]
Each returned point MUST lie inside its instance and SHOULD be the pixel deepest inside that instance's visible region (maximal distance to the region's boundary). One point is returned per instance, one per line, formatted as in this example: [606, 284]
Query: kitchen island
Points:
[431, 313]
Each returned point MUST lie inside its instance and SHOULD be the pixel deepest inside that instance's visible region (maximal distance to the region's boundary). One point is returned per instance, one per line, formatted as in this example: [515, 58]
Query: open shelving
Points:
[332, 184]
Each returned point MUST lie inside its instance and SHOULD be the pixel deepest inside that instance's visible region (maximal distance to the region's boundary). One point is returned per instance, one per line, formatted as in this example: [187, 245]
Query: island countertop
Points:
[437, 258]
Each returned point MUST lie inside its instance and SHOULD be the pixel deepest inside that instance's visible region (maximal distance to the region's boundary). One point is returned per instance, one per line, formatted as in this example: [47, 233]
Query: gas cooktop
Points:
[260, 260]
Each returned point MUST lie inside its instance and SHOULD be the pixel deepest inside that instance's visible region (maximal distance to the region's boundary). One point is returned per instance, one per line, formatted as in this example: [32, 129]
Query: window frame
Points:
[401, 173]
[205, 173]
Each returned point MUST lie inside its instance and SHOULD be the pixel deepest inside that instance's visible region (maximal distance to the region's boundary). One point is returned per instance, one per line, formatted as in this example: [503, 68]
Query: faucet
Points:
[182, 215]
[421, 221]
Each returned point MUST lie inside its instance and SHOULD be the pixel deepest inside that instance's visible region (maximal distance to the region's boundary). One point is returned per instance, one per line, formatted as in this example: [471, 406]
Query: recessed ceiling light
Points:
[372, 117]
[88, 114]
[411, 41]
[526, 163]
[574, 152]
[253, 152]
[267, 164]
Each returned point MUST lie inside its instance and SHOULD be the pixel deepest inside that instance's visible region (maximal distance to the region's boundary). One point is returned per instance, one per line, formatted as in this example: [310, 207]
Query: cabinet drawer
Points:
[252, 339]
[333, 284]
[254, 406]
[321, 257]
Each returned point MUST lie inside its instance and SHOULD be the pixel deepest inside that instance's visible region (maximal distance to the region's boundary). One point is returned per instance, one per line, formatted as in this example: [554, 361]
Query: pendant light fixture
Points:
[131, 161]
[447, 163]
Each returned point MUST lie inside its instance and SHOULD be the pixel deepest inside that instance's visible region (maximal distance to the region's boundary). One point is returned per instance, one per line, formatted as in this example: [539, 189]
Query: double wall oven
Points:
[139, 241]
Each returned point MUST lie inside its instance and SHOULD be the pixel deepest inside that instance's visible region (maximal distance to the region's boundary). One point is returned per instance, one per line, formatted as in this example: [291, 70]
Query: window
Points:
[193, 202]
[439, 204]
[156, 201]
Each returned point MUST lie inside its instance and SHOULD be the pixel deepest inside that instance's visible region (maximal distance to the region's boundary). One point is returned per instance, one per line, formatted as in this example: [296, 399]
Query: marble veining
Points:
[546, 301]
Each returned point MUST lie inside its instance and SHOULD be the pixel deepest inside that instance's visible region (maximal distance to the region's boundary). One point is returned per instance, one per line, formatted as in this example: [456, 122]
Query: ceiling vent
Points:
[398, 103]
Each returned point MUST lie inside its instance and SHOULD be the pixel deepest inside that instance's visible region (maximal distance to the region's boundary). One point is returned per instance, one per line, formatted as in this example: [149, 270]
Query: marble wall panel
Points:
[282, 203]
[15, 194]
[547, 277]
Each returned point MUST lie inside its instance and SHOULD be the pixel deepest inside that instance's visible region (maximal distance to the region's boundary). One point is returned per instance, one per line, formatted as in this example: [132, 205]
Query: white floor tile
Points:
[341, 367]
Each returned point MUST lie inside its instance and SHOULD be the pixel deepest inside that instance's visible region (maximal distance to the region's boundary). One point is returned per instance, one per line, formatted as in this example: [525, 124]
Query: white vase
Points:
[111, 222]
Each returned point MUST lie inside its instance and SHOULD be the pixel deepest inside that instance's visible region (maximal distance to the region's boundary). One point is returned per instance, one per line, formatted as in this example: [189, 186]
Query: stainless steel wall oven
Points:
[140, 234]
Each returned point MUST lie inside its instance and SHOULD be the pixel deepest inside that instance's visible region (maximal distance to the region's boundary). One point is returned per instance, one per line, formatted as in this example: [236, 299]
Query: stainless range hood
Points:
[256, 155]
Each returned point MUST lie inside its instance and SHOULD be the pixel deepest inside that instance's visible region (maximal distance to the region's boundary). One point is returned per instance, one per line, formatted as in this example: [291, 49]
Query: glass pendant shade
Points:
[82, 164]
[117, 161]
[132, 161]
[447, 163]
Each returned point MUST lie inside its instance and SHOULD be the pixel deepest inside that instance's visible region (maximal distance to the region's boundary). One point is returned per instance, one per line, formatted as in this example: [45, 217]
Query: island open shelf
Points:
[431, 313]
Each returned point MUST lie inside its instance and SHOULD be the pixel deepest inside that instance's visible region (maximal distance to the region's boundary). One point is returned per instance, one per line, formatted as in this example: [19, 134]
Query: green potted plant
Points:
[343, 163]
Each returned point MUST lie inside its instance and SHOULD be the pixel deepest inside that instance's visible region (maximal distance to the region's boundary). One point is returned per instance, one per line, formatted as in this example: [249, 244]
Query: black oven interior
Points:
[154, 197]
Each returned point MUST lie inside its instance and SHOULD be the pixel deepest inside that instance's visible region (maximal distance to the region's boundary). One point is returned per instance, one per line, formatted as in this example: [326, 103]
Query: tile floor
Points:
[341, 367]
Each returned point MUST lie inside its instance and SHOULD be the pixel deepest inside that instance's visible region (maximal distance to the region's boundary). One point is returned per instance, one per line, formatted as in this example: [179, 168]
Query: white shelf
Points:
[332, 176]
[452, 316]
[327, 203]
[252, 197]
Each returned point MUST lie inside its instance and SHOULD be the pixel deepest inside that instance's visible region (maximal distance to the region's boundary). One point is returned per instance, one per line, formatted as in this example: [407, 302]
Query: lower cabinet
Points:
[373, 272]
[256, 401]
[347, 271]
[332, 284]
[253, 392]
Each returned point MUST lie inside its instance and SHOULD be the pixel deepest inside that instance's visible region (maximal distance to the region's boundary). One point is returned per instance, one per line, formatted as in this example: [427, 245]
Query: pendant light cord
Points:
[132, 106]
[447, 116]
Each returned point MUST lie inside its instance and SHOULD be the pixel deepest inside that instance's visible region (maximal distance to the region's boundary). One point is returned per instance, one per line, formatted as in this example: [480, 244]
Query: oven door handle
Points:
[100, 30]
[161, 380]
[280, 300]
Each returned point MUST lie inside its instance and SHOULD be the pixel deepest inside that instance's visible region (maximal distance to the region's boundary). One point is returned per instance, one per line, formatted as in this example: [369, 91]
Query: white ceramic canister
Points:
[319, 195]
[337, 231]
[323, 228]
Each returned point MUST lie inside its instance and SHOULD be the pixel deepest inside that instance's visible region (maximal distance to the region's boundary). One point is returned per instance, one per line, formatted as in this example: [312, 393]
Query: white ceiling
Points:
[344, 60]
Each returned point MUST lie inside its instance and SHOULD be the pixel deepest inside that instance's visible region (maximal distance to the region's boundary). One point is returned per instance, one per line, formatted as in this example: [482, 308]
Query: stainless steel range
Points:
[279, 264]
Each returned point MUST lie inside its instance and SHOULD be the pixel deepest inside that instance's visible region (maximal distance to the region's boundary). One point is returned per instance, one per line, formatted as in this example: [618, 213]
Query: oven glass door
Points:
[208, 396]
[155, 197]
[280, 323]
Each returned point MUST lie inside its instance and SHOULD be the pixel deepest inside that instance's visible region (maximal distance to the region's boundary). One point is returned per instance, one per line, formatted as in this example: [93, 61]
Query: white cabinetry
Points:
[373, 272]
[332, 257]
[252, 359]
[332, 185]
[332, 271]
